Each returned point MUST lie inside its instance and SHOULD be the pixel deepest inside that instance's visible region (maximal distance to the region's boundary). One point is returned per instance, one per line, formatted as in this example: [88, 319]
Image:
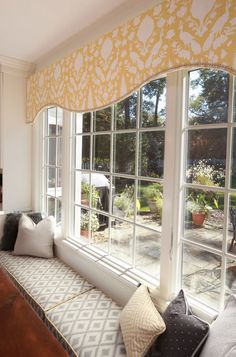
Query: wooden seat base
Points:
[22, 332]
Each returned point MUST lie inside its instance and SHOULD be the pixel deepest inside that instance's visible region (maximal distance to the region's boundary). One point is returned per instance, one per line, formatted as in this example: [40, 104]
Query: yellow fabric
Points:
[174, 34]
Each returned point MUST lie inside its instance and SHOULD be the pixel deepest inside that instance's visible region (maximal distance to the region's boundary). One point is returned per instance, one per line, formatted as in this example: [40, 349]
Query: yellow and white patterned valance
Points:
[174, 34]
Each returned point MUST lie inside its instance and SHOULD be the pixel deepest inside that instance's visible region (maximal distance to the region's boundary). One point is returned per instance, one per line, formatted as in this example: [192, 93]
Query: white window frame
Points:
[44, 163]
[117, 263]
[174, 170]
[229, 125]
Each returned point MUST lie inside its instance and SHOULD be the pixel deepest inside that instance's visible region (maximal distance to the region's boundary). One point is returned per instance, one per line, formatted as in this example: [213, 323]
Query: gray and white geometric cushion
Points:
[48, 282]
[90, 324]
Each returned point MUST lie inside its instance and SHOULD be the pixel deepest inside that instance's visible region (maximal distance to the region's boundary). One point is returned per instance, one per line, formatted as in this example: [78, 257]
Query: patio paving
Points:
[201, 269]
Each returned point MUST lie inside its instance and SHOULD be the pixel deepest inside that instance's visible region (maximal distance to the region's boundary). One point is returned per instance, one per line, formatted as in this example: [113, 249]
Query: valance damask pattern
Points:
[173, 34]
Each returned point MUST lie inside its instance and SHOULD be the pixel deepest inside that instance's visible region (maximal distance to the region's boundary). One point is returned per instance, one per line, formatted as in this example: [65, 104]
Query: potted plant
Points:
[85, 195]
[84, 224]
[154, 198]
[199, 208]
[125, 201]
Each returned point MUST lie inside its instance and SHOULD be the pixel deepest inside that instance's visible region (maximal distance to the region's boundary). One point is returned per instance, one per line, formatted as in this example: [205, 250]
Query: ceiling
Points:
[31, 28]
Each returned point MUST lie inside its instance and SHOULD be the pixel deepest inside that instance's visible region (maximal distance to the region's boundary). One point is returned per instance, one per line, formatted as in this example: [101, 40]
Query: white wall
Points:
[15, 142]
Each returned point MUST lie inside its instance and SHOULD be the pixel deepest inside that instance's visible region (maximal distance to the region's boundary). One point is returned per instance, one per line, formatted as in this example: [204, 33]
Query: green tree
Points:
[151, 95]
[208, 102]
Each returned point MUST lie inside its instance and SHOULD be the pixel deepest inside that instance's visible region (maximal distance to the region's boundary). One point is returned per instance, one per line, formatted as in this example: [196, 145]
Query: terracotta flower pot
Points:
[84, 233]
[198, 218]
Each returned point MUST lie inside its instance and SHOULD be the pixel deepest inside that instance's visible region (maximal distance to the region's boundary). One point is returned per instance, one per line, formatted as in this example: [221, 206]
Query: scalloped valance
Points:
[173, 34]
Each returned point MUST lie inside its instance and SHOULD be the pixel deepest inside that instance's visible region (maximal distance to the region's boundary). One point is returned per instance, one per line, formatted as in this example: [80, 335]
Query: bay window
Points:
[152, 183]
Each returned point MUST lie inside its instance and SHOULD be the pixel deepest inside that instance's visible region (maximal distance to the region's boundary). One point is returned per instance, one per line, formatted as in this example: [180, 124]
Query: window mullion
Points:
[227, 194]
[66, 174]
[170, 180]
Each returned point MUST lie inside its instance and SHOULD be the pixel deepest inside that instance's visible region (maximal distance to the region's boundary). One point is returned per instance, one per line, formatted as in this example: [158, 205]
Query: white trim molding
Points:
[15, 66]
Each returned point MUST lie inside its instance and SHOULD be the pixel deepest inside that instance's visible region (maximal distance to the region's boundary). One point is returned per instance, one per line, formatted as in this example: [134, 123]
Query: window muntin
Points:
[52, 136]
[209, 182]
[111, 159]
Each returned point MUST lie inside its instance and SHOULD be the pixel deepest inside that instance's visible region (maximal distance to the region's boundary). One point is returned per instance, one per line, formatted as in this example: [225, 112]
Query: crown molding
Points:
[15, 66]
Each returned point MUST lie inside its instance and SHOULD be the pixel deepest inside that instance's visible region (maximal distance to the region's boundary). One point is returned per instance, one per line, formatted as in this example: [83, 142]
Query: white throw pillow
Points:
[35, 239]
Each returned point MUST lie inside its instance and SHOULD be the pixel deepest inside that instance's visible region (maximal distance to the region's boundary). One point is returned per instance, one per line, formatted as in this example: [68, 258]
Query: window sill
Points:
[126, 277]
[114, 265]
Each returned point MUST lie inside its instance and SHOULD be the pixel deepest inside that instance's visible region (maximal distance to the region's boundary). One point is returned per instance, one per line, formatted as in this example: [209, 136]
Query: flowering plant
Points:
[205, 174]
[198, 204]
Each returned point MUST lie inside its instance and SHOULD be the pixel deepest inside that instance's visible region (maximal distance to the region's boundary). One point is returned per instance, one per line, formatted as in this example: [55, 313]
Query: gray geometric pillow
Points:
[185, 333]
[222, 337]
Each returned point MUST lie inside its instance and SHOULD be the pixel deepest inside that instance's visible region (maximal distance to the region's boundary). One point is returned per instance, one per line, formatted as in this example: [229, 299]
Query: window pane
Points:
[123, 197]
[234, 102]
[82, 222]
[201, 275]
[59, 121]
[149, 204]
[148, 251]
[83, 123]
[51, 121]
[208, 96]
[100, 191]
[124, 144]
[86, 122]
[102, 120]
[59, 151]
[153, 103]
[206, 157]
[82, 146]
[126, 113]
[59, 183]
[51, 206]
[122, 240]
[101, 152]
[204, 217]
[230, 287]
[51, 159]
[151, 160]
[232, 225]
[58, 217]
[100, 231]
[77, 215]
[233, 163]
[81, 191]
[51, 180]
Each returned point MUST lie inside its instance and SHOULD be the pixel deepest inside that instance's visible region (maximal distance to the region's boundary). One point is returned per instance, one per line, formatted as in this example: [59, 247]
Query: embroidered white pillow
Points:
[35, 239]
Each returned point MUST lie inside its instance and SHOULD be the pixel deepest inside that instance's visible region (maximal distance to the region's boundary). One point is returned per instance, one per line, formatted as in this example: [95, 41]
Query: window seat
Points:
[83, 319]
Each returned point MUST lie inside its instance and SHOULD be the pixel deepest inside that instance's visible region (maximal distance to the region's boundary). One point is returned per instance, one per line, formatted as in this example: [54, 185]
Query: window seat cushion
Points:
[90, 323]
[82, 318]
[44, 282]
